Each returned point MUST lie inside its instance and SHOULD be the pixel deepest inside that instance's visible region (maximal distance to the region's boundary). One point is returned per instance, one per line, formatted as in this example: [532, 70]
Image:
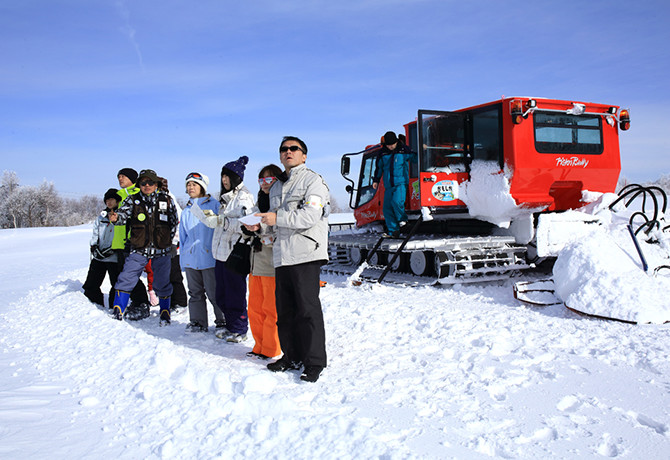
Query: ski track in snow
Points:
[463, 372]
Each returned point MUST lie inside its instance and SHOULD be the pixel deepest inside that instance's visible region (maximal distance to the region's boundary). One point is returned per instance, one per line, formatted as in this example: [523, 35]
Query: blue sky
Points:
[90, 86]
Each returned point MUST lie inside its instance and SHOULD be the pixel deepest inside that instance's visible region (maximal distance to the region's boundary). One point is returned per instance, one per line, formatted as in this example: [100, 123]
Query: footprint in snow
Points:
[609, 447]
[643, 420]
[569, 404]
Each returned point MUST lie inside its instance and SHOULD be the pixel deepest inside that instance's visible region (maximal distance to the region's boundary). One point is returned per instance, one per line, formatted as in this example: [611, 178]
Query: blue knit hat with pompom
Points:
[236, 167]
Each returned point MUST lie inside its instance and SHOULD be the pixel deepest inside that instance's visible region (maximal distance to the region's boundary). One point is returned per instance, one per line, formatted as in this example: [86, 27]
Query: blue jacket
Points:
[393, 165]
[195, 238]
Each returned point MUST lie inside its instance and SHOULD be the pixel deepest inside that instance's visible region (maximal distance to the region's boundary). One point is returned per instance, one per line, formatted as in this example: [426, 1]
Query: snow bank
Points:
[598, 270]
[601, 273]
[487, 195]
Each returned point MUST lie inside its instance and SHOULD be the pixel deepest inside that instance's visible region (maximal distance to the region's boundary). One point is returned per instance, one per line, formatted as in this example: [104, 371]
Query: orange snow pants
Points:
[263, 315]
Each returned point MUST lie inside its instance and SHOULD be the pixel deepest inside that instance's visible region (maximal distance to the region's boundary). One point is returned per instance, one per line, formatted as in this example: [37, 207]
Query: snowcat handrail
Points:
[345, 164]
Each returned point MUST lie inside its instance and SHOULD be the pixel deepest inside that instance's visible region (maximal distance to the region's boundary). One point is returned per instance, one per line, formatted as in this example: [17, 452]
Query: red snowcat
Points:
[546, 154]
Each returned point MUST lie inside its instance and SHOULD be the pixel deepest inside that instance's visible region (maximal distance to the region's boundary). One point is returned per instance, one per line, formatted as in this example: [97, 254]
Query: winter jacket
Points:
[152, 220]
[302, 204]
[103, 237]
[261, 252]
[120, 231]
[262, 263]
[195, 238]
[227, 229]
[393, 165]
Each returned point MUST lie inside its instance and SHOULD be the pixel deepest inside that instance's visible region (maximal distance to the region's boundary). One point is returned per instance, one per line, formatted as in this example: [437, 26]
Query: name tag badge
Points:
[162, 205]
[163, 217]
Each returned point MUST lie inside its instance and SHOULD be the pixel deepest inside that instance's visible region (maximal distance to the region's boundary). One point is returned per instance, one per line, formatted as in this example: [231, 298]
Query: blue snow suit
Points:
[195, 238]
[393, 166]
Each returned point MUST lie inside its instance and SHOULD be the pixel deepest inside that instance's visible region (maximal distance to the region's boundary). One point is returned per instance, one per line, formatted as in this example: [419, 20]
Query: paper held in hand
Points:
[250, 220]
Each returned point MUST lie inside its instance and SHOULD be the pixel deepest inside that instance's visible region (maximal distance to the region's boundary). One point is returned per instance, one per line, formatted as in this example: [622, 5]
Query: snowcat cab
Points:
[549, 151]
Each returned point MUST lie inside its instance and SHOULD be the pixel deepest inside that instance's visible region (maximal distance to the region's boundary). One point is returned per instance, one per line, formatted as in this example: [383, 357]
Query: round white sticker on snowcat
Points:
[445, 190]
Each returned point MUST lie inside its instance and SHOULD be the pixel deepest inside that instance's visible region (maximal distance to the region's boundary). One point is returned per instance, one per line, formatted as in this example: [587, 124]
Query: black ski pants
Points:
[299, 316]
[177, 280]
[96, 275]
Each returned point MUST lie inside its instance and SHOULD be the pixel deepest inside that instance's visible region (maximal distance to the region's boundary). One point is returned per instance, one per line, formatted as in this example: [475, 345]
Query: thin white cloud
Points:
[129, 31]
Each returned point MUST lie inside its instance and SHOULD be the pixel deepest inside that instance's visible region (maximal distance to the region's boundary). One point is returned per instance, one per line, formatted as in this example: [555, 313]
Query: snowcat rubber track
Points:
[427, 259]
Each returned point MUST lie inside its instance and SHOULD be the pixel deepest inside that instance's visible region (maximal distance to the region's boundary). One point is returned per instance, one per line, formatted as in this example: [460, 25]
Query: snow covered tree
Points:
[10, 182]
[11, 211]
[30, 206]
[40, 205]
[664, 182]
[10, 214]
[622, 182]
[334, 205]
[77, 211]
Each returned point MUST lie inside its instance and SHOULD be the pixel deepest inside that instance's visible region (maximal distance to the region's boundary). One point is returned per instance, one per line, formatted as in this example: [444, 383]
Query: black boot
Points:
[284, 364]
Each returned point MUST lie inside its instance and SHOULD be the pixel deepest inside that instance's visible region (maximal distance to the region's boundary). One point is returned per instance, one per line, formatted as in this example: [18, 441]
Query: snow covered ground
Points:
[463, 372]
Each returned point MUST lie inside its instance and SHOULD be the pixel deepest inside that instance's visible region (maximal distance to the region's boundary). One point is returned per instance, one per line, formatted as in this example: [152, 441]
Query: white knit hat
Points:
[198, 179]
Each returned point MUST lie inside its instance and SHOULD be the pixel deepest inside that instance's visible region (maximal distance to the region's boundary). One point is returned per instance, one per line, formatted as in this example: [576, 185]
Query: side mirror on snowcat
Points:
[345, 166]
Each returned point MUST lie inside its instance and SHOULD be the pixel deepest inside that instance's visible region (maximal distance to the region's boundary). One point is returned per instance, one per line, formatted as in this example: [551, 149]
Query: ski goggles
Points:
[194, 175]
[266, 180]
[292, 148]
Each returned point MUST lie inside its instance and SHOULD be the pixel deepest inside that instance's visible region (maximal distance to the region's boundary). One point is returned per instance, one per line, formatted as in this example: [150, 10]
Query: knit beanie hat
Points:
[390, 138]
[200, 179]
[112, 193]
[130, 173]
[236, 167]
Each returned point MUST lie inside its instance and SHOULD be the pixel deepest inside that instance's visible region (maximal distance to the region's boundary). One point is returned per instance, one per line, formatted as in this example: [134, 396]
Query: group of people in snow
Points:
[287, 244]
[110, 248]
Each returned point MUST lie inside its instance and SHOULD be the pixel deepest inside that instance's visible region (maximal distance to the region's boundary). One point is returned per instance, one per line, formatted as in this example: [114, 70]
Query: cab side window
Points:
[365, 190]
[486, 135]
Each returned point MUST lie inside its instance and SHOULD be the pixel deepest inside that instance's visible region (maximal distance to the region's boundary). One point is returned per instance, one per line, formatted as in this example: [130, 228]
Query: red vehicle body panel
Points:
[557, 180]
[552, 181]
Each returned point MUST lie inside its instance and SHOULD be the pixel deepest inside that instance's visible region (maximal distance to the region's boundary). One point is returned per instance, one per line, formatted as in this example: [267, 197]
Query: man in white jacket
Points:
[299, 208]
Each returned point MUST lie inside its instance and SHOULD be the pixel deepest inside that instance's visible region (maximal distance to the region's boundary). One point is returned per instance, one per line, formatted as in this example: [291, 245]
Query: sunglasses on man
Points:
[266, 180]
[292, 148]
[148, 182]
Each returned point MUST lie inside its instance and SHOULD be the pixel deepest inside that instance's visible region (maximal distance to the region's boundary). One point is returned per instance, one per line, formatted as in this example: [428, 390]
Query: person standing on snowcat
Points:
[393, 165]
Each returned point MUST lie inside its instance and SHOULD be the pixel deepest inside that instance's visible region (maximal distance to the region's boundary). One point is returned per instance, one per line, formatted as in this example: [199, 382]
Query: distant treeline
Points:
[663, 182]
[27, 206]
